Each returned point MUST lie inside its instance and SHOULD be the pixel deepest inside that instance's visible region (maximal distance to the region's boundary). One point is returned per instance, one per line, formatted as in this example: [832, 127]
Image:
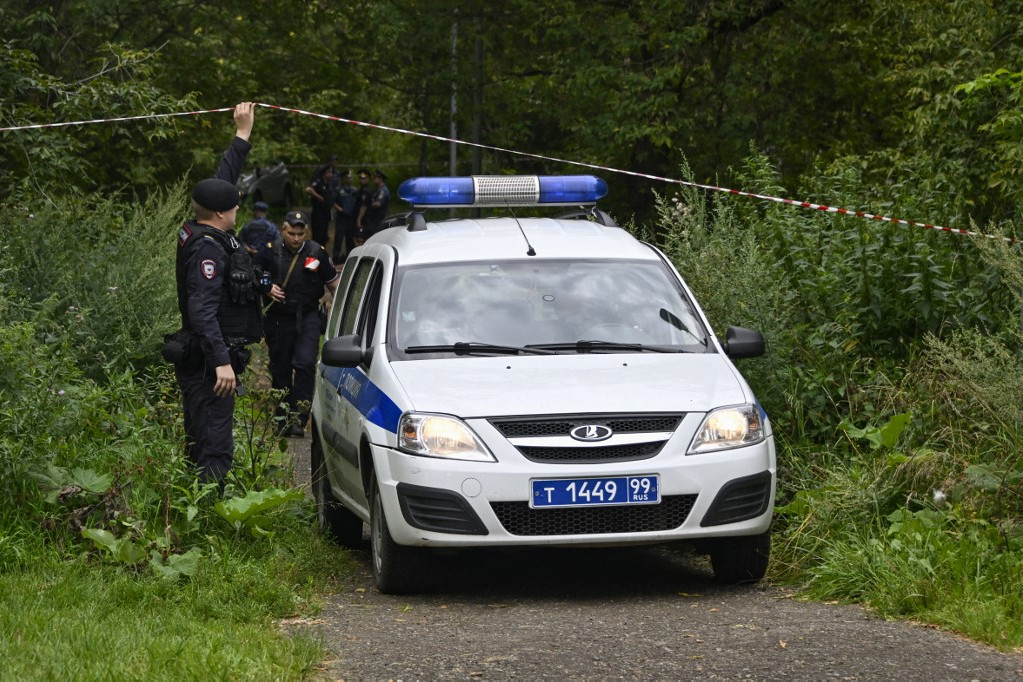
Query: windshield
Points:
[625, 306]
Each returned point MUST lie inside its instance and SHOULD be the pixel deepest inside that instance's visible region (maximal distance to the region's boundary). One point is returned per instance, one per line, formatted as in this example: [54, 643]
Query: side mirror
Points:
[743, 343]
[343, 351]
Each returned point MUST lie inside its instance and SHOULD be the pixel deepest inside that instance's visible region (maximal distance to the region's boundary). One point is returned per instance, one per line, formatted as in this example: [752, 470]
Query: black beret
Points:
[215, 194]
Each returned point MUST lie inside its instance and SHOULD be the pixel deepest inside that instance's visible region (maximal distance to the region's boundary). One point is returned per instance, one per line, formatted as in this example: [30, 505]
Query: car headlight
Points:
[728, 427]
[436, 435]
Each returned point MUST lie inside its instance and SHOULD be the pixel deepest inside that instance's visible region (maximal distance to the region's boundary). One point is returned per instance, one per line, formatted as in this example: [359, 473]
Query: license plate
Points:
[582, 492]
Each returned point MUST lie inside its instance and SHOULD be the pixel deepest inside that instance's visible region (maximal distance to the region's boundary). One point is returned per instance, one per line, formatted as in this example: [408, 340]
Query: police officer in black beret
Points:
[293, 322]
[219, 301]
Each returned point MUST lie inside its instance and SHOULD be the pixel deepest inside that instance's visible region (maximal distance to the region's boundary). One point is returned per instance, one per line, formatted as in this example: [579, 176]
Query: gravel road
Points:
[630, 613]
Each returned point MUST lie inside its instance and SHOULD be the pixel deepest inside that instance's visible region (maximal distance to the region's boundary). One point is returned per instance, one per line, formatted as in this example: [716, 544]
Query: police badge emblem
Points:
[208, 268]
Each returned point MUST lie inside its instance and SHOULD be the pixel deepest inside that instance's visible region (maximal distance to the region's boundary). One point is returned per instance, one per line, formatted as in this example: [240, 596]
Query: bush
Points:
[95, 276]
[892, 380]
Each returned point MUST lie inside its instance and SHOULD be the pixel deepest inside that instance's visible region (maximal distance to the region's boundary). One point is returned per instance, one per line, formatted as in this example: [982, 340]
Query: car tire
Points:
[740, 559]
[396, 568]
[337, 522]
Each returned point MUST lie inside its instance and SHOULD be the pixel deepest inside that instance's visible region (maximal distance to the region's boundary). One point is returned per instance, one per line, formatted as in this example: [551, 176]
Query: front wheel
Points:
[339, 524]
[740, 559]
[396, 568]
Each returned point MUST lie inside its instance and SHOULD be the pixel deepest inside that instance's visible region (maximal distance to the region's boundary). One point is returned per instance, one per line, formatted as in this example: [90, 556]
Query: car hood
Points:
[499, 386]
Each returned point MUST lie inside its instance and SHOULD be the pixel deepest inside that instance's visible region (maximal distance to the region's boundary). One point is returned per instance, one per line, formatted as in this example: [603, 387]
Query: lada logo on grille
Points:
[590, 432]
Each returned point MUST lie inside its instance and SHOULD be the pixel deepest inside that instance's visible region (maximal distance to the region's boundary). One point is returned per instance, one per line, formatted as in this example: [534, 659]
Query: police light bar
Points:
[503, 190]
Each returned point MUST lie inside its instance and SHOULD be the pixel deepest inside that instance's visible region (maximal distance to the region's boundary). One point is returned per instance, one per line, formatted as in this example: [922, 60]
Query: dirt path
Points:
[637, 613]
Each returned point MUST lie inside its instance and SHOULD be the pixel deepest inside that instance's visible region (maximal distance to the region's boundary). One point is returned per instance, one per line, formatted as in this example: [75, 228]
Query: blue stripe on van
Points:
[355, 387]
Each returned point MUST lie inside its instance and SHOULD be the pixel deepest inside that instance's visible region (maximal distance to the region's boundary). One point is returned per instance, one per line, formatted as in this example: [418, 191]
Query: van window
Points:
[349, 314]
[342, 288]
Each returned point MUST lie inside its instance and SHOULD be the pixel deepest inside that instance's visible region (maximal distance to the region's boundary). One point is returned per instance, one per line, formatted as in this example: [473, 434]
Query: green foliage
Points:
[96, 276]
[907, 343]
[261, 445]
[74, 620]
[102, 520]
[250, 511]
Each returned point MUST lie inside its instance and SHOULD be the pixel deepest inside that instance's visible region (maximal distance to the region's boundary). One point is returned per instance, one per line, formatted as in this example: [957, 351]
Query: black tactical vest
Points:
[241, 323]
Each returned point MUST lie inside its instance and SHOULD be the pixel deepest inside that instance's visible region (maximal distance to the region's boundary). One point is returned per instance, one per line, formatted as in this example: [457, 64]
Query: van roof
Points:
[501, 238]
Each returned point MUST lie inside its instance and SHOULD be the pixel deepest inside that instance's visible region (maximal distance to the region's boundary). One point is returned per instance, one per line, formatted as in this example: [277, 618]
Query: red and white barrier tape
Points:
[113, 120]
[441, 138]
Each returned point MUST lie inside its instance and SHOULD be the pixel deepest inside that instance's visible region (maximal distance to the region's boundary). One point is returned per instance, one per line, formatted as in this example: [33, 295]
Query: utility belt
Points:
[183, 349]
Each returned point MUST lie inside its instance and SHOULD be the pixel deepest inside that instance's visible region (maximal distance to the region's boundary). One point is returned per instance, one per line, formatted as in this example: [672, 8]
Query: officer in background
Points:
[220, 310]
[259, 236]
[372, 214]
[363, 196]
[293, 321]
[344, 227]
[321, 190]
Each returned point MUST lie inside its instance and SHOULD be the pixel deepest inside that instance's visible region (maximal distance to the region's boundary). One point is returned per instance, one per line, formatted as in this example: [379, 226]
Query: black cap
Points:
[380, 174]
[260, 206]
[215, 194]
[363, 173]
[295, 218]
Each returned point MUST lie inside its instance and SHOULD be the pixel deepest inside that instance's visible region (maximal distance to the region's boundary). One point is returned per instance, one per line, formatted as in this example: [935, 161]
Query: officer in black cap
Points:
[372, 216]
[219, 301]
[293, 322]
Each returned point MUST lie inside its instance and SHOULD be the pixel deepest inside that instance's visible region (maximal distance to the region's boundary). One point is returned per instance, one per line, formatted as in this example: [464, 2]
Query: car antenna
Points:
[530, 251]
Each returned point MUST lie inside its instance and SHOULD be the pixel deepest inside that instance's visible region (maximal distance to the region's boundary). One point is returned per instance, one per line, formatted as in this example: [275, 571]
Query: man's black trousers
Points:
[293, 343]
[209, 441]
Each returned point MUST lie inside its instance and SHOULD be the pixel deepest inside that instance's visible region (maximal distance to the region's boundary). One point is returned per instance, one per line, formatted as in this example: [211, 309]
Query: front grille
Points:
[560, 425]
[592, 455]
[519, 519]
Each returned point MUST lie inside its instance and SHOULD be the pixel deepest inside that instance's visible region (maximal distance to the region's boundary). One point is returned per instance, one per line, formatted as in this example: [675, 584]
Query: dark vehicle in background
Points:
[271, 184]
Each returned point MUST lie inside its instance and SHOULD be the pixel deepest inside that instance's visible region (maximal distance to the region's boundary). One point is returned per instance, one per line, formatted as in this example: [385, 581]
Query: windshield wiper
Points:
[470, 347]
[584, 346]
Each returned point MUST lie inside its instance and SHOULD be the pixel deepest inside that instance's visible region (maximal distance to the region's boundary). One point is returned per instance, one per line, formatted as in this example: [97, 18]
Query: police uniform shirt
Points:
[259, 233]
[375, 214]
[347, 200]
[363, 197]
[323, 189]
[204, 269]
[313, 270]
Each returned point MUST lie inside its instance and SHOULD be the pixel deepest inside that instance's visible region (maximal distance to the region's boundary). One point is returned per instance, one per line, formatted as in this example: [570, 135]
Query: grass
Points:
[81, 619]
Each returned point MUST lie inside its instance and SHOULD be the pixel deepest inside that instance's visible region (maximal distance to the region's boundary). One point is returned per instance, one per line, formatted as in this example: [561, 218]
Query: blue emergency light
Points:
[503, 190]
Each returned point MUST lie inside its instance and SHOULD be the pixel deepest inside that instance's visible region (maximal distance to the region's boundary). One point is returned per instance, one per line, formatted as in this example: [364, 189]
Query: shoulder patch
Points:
[312, 263]
[208, 268]
[183, 234]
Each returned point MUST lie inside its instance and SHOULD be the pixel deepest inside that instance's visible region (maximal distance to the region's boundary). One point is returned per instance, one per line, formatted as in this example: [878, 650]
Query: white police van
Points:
[511, 381]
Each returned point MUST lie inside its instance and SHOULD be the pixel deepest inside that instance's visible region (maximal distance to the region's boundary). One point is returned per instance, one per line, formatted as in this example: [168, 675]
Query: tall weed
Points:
[96, 274]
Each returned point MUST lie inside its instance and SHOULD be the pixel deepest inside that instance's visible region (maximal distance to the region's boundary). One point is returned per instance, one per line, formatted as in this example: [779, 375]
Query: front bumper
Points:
[438, 502]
